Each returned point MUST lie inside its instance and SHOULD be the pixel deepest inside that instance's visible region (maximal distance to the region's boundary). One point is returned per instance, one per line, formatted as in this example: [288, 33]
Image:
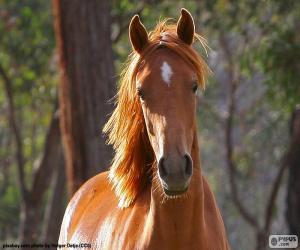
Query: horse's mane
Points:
[131, 166]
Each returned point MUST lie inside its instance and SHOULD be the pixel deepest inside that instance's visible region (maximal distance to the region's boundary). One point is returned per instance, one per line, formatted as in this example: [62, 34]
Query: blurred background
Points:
[59, 66]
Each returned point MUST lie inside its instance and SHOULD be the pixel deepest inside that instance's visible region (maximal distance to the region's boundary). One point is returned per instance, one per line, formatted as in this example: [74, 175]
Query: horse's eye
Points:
[140, 93]
[195, 87]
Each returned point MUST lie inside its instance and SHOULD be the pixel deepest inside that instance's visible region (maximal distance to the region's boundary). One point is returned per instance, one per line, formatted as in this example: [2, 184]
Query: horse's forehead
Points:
[167, 57]
[165, 65]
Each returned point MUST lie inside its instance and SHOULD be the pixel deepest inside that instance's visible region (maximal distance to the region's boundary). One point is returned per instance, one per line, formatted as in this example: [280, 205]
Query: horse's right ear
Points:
[137, 34]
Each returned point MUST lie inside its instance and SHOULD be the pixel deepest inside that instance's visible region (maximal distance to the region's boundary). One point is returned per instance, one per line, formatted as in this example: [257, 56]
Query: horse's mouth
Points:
[174, 192]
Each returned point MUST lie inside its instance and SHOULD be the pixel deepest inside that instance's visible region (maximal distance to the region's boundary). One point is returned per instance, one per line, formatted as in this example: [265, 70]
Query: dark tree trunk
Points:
[293, 160]
[261, 240]
[31, 208]
[54, 210]
[86, 63]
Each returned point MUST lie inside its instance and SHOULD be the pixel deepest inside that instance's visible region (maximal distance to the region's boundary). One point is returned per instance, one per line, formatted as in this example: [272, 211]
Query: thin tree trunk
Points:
[31, 198]
[14, 126]
[293, 159]
[30, 220]
[54, 210]
[262, 230]
[86, 63]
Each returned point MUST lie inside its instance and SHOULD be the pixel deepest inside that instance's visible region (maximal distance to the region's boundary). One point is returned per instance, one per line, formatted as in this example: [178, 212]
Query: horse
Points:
[154, 196]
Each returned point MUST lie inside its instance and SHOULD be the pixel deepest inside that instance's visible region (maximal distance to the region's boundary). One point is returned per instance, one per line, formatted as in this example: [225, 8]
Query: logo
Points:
[283, 241]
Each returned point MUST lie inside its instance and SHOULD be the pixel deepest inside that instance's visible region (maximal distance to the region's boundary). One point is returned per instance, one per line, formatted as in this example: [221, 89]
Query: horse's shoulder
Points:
[91, 189]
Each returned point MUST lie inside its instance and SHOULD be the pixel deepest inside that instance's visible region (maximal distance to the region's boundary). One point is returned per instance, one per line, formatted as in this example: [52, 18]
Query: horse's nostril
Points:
[188, 165]
[161, 168]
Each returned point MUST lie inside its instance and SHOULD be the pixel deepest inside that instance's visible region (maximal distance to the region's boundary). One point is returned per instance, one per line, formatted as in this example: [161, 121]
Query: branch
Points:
[273, 195]
[228, 137]
[122, 28]
[51, 228]
[123, 20]
[16, 132]
[232, 167]
[51, 158]
[292, 153]
[230, 161]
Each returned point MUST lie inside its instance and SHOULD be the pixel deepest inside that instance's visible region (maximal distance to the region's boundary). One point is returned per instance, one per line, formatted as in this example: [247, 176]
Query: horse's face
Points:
[167, 87]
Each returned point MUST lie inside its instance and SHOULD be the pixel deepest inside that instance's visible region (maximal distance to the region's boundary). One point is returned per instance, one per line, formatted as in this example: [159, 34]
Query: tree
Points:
[279, 57]
[86, 64]
[256, 44]
[24, 54]
[31, 198]
[293, 161]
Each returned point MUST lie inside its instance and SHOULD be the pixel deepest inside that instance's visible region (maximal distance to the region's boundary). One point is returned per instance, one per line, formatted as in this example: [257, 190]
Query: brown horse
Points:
[154, 195]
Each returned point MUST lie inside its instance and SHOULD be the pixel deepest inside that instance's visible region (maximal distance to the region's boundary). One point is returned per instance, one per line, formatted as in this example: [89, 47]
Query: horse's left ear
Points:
[186, 27]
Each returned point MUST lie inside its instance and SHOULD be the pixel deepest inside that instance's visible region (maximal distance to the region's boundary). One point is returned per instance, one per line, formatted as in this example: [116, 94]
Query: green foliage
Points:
[269, 31]
[26, 54]
[279, 54]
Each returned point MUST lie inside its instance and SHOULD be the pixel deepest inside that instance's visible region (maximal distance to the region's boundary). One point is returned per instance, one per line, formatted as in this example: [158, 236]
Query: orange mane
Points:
[131, 167]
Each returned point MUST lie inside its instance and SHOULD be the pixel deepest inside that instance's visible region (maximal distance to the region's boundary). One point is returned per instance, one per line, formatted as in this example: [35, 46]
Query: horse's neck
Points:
[184, 216]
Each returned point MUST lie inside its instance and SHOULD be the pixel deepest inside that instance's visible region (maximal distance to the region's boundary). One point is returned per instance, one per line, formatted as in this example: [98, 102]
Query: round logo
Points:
[274, 241]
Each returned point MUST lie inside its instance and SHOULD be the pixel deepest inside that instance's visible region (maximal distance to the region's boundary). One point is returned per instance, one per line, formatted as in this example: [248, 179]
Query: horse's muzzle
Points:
[175, 173]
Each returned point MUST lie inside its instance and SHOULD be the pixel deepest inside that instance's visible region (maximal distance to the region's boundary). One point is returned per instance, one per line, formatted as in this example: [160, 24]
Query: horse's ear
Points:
[137, 34]
[186, 27]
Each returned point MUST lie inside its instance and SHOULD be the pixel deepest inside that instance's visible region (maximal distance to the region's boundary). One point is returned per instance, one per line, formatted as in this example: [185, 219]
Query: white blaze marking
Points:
[166, 73]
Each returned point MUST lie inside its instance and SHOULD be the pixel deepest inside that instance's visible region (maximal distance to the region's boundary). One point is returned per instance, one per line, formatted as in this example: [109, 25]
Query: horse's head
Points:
[154, 119]
[166, 84]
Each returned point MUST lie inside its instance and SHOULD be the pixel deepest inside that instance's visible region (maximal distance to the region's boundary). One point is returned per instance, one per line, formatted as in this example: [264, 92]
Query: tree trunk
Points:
[32, 199]
[31, 208]
[54, 210]
[293, 160]
[86, 63]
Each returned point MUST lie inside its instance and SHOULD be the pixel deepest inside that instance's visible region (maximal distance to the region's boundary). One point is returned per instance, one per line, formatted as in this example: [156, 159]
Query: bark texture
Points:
[86, 63]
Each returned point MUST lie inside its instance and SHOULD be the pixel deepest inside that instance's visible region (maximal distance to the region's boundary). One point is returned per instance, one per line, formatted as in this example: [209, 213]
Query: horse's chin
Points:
[177, 193]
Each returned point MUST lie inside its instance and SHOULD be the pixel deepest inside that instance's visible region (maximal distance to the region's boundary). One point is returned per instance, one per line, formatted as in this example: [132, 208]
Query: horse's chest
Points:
[110, 228]
[115, 230]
